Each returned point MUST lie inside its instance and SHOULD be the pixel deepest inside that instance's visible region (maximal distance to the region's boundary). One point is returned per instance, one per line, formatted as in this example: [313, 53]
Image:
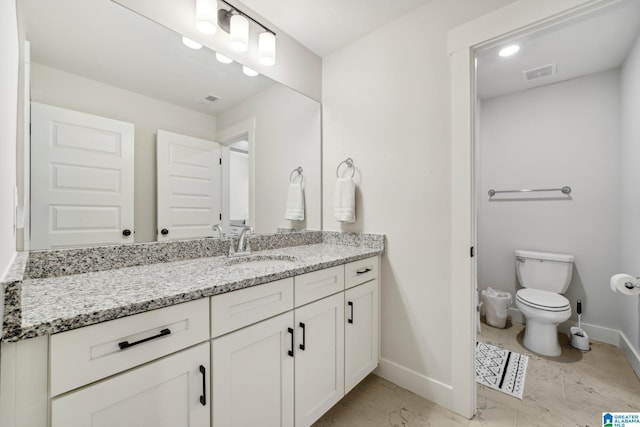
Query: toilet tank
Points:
[544, 270]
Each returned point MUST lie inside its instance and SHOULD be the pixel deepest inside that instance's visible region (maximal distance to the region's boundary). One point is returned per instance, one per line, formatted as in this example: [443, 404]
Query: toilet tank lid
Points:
[547, 256]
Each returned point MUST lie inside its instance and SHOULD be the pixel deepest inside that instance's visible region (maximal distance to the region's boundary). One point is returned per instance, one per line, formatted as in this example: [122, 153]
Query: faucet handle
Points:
[232, 251]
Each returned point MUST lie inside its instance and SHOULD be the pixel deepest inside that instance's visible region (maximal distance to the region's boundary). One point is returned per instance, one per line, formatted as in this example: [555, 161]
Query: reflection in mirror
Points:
[97, 58]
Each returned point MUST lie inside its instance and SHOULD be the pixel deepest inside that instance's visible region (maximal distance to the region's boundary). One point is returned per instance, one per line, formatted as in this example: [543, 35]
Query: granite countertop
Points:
[56, 304]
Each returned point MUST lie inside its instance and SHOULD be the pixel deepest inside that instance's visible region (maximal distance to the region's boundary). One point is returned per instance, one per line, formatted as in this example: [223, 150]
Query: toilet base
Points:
[542, 338]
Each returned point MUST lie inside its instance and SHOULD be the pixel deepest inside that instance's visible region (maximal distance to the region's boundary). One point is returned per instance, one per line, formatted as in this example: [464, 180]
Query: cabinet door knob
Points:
[164, 231]
[126, 232]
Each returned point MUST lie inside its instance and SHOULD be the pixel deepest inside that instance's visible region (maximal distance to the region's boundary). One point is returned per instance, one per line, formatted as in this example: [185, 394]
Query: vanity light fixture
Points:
[267, 48]
[224, 59]
[509, 50]
[191, 43]
[239, 33]
[238, 25]
[249, 71]
[207, 16]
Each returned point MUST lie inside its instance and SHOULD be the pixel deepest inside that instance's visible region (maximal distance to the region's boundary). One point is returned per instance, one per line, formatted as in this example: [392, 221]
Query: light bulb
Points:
[207, 16]
[239, 33]
[509, 50]
[267, 48]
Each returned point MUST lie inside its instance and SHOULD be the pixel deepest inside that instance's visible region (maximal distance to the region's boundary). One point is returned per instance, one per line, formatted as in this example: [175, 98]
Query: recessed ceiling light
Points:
[249, 71]
[224, 59]
[191, 43]
[509, 50]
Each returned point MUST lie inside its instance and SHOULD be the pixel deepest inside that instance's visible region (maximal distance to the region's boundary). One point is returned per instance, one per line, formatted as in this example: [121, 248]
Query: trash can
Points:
[496, 305]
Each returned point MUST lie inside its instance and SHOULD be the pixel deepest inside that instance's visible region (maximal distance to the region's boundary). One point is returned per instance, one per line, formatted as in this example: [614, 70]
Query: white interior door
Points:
[81, 179]
[188, 186]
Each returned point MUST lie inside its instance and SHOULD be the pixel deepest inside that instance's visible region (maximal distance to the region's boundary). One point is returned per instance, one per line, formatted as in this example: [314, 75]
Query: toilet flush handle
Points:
[519, 258]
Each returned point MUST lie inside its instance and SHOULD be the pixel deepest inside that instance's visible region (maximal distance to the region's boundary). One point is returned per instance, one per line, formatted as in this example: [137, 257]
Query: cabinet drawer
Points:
[358, 272]
[237, 309]
[84, 355]
[170, 392]
[318, 284]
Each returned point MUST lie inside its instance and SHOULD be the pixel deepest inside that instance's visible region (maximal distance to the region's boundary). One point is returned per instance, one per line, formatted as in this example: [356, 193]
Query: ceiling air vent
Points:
[539, 72]
[210, 98]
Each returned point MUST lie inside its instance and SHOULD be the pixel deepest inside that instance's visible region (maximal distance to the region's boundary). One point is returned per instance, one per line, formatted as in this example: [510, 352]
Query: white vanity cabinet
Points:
[281, 354]
[170, 392]
[319, 358]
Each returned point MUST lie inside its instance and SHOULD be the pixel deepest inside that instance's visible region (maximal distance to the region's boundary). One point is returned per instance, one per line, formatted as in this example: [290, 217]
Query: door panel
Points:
[189, 176]
[81, 179]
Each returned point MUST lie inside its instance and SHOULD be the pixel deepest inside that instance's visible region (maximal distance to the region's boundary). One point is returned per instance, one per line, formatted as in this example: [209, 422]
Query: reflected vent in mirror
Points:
[539, 72]
[210, 99]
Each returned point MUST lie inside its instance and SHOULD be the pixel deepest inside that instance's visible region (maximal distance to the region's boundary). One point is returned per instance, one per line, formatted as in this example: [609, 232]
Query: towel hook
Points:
[299, 170]
[349, 163]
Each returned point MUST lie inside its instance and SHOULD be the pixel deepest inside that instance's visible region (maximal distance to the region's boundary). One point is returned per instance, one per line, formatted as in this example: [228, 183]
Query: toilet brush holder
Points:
[579, 339]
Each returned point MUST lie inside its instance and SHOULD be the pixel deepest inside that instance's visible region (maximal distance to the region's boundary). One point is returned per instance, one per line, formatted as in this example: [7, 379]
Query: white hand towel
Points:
[344, 200]
[295, 202]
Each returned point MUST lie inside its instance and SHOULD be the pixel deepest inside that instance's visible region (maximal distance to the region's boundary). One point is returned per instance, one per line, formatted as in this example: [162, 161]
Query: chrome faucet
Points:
[244, 235]
[218, 228]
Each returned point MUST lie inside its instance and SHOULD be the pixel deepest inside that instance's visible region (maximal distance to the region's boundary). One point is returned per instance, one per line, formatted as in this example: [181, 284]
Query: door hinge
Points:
[220, 217]
[472, 252]
[220, 160]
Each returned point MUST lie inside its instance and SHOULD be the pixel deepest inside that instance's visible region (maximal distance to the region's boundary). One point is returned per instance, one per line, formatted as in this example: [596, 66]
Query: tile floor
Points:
[570, 390]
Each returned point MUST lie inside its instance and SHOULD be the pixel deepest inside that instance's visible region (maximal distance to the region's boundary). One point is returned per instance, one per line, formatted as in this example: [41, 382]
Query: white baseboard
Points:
[422, 385]
[596, 333]
[630, 353]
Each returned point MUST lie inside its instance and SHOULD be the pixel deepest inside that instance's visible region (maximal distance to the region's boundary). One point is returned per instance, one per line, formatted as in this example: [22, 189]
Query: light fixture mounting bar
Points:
[247, 16]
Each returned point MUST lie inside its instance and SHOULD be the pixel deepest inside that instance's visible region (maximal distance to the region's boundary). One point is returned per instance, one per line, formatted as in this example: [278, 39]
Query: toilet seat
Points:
[542, 300]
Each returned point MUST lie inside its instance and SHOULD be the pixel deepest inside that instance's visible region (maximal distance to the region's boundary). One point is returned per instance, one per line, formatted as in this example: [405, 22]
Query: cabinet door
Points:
[361, 333]
[171, 392]
[319, 358]
[253, 375]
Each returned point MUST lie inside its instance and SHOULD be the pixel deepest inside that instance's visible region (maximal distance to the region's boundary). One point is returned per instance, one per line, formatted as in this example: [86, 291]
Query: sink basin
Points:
[261, 261]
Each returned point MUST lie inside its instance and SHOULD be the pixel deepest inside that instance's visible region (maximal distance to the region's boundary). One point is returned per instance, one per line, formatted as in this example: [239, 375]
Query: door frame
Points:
[226, 137]
[514, 20]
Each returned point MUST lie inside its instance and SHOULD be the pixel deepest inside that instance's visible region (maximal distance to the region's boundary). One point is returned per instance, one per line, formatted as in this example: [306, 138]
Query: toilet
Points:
[543, 276]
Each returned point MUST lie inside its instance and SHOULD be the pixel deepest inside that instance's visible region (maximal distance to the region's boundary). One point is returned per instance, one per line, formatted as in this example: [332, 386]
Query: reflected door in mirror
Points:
[81, 179]
[188, 179]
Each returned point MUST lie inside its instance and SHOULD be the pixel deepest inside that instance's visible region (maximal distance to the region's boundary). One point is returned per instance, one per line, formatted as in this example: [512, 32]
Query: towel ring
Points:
[349, 163]
[299, 170]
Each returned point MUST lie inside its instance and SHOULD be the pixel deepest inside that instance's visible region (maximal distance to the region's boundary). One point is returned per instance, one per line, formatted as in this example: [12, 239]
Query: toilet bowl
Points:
[544, 276]
[544, 311]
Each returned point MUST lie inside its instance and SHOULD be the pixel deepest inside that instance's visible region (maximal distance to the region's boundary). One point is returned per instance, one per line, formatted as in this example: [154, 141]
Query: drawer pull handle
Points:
[126, 344]
[203, 398]
[290, 352]
[304, 336]
[363, 270]
[350, 319]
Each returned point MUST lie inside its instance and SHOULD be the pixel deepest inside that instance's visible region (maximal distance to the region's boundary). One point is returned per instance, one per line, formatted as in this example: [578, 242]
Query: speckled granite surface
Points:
[64, 262]
[42, 306]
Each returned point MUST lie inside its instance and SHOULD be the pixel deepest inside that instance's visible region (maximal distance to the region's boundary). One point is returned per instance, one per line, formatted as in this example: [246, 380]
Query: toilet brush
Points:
[578, 337]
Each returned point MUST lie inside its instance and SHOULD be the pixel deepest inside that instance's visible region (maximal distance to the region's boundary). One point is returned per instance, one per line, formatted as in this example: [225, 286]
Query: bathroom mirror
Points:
[98, 58]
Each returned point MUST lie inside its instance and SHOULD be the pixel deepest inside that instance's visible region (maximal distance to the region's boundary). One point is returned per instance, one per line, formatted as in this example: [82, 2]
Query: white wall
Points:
[628, 308]
[9, 60]
[386, 104]
[285, 137]
[56, 87]
[549, 137]
[238, 185]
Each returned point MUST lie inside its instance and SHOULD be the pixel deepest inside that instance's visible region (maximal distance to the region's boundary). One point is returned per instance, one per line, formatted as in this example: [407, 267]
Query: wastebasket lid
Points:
[544, 300]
